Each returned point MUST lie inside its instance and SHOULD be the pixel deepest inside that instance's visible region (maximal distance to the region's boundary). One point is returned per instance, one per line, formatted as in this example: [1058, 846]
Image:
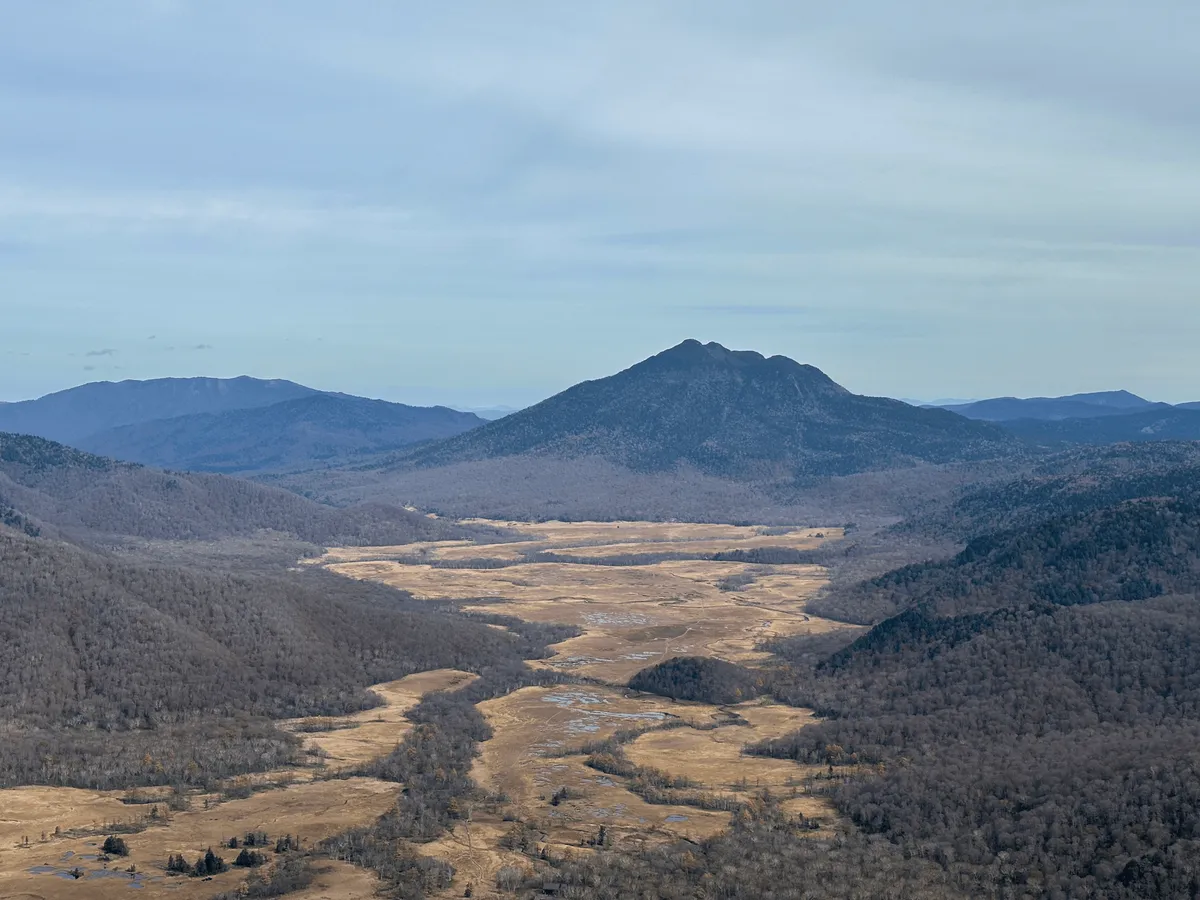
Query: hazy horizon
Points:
[479, 206]
[403, 395]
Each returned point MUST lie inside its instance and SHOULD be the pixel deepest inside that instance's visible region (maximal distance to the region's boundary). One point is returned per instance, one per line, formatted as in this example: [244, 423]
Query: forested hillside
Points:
[1029, 720]
[1074, 481]
[700, 679]
[97, 652]
[1160, 423]
[1033, 749]
[1132, 551]
[49, 484]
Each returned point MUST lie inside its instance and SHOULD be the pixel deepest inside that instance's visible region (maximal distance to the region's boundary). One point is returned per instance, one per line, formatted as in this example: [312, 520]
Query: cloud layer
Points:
[483, 203]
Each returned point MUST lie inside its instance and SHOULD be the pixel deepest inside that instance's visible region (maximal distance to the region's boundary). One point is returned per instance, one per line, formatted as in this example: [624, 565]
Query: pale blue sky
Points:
[480, 203]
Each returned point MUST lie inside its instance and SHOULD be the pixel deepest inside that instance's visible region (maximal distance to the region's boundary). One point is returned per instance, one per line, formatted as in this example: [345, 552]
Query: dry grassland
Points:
[531, 726]
[714, 759]
[353, 740]
[525, 761]
[310, 809]
[631, 617]
[313, 811]
[595, 539]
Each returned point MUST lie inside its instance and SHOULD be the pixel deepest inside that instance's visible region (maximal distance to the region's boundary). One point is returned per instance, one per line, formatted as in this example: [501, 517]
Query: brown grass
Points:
[631, 617]
[314, 811]
[311, 809]
[353, 740]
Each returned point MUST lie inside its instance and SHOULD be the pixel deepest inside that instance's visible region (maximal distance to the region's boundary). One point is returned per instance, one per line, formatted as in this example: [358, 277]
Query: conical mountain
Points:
[732, 414]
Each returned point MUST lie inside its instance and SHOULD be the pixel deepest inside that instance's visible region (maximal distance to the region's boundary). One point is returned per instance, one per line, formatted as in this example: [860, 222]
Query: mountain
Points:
[1034, 708]
[1103, 403]
[943, 402]
[724, 413]
[490, 412]
[1192, 405]
[171, 662]
[1128, 551]
[1159, 423]
[318, 429]
[1085, 713]
[1072, 482]
[46, 486]
[79, 411]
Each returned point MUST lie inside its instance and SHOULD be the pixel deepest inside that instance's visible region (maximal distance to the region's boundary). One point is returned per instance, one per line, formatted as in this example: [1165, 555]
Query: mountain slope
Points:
[43, 483]
[1075, 481]
[1130, 551]
[1160, 423]
[148, 674]
[1034, 709]
[731, 414]
[71, 414]
[210, 632]
[319, 429]
[1103, 403]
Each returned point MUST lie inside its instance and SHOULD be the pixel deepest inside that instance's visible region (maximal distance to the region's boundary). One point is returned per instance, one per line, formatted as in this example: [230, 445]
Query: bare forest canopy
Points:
[103, 659]
[1131, 551]
[48, 486]
[1027, 717]
[1073, 481]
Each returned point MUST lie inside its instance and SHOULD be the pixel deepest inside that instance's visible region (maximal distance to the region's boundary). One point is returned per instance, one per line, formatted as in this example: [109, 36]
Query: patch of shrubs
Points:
[288, 875]
[205, 866]
[250, 859]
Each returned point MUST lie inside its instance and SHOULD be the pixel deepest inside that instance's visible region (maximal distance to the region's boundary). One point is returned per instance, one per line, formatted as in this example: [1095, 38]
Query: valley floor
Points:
[630, 616]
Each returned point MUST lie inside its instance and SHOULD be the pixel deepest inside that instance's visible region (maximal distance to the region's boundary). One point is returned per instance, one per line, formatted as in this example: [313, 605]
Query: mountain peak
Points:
[691, 355]
[692, 352]
[728, 413]
[1115, 399]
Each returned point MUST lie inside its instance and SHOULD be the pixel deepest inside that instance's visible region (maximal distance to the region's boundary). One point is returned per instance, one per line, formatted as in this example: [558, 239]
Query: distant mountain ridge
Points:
[76, 412]
[318, 429]
[1073, 406]
[230, 425]
[1158, 423]
[732, 414]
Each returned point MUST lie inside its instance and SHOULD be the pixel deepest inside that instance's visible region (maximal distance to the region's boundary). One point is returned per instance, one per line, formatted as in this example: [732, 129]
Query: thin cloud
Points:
[203, 347]
[751, 309]
[852, 172]
[107, 351]
[817, 321]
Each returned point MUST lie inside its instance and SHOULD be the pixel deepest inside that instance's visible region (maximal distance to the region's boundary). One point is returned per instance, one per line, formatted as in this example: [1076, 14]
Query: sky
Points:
[483, 203]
